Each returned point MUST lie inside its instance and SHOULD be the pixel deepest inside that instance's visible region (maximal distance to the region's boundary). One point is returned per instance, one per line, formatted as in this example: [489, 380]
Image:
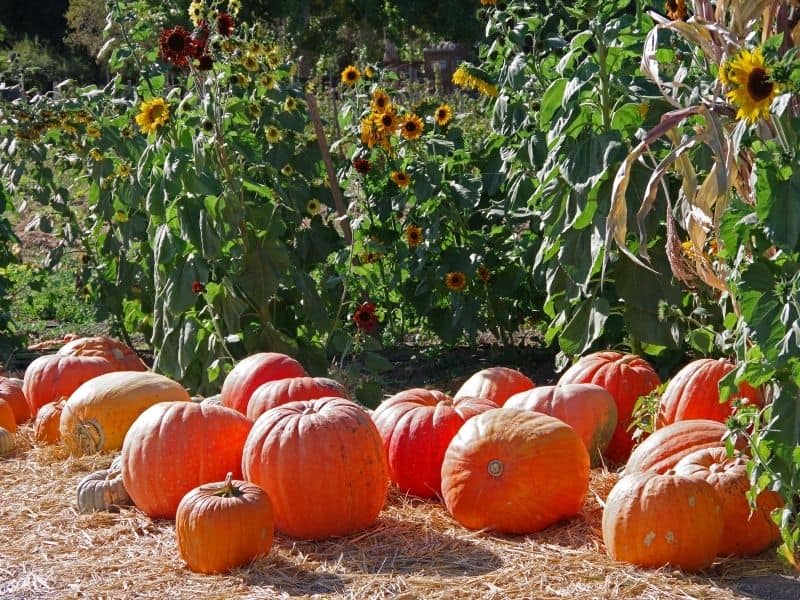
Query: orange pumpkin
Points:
[497, 384]
[589, 409]
[626, 377]
[274, 393]
[11, 392]
[322, 464]
[254, 371]
[50, 377]
[693, 393]
[122, 356]
[653, 519]
[665, 447]
[220, 526]
[173, 447]
[416, 427]
[7, 419]
[46, 425]
[99, 413]
[514, 471]
[745, 532]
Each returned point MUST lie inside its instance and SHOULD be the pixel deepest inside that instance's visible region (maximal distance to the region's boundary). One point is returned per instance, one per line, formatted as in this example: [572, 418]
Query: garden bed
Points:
[414, 550]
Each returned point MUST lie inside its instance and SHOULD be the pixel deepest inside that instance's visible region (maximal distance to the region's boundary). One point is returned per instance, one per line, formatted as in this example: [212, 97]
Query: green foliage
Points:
[9, 338]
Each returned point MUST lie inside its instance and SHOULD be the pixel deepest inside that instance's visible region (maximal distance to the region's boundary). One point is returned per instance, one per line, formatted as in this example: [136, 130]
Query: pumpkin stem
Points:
[228, 490]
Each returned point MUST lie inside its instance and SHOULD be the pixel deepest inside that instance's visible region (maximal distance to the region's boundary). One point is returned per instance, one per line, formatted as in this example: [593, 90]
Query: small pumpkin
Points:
[173, 447]
[322, 464]
[274, 393]
[99, 413]
[52, 376]
[746, 532]
[7, 442]
[48, 420]
[589, 409]
[693, 393]
[663, 449]
[497, 384]
[514, 471]
[7, 418]
[11, 392]
[653, 519]
[416, 427]
[122, 356]
[254, 371]
[626, 377]
[220, 526]
[102, 491]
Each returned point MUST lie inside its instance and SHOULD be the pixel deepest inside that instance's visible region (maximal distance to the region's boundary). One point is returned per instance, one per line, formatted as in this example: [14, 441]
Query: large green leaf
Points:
[590, 159]
[585, 326]
[776, 206]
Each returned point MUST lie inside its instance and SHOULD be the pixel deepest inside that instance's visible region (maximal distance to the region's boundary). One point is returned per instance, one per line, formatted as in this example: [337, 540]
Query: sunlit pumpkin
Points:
[120, 355]
[497, 384]
[274, 393]
[7, 419]
[253, 371]
[11, 392]
[53, 376]
[46, 425]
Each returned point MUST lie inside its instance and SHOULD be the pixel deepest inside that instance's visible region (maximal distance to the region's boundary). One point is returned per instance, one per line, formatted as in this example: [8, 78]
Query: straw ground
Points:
[414, 551]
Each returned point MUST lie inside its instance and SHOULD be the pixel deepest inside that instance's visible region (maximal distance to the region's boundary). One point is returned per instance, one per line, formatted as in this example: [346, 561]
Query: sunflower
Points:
[411, 127]
[124, 170]
[290, 104]
[287, 170]
[488, 2]
[250, 62]
[369, 72]
[254, 110]
[752, 90]
[413, 235]
[455, 281]
[175, 46]
[273, 134]
[204, 62]
[401, 179]
[274, 58]
[313, 207]
[234, 6]
[386, 121]
[197, 12]
[471, 78]
[361, 165]
[443, 115]
[225, 24]
[370, 257]
[96, 154]
[268, 81]
[365, 318]
[380, 101]
[152, 115]
[93, 131]
[350, 75]
[676, 10]
[483, 273]
[370, 133]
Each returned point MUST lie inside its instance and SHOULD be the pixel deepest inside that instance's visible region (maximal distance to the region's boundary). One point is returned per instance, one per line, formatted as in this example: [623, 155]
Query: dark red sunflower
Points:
[225, 24]
[200, 39]
[204, 62]
[365, 318]
[176, 46]
[361, 165]
[198, 287]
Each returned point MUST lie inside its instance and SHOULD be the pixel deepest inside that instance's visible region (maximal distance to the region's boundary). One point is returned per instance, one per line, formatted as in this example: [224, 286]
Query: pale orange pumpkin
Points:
[11, 392]
[497, 384]
[253, 371]
[514, 471]
[121, 356]
[53, 376]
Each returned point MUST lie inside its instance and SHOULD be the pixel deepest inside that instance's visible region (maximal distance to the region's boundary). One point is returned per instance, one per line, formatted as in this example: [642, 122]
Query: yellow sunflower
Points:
[386, 121]
[93, 131]
[250, 62]
[287, 170]
[290, 104]
[273, 134]
[369, 72]
[124, 170]
[455, 281]
[380, 101]
[752, 90]
[268, 81]
[351, 75]
[464, 77]
[313, 207]
[152, 115]
[273, 58]
[676, 10]
[254, 110]
[197, 12]
[443, 115]
[413, 235]
[96, 154]
[401, 179]
[411, 127]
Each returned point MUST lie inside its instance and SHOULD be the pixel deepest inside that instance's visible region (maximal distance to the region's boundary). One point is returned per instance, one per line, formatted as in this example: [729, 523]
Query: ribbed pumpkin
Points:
[416, 427]
[626, 377]
[497, 384]
[653, 519]
[11, 392]
[7, 442]
[514, 471]
[589, 409]
[274, 393]
[122, 356]
[745, 533]
[7, 418]
[174, 447]
[220, 526]
[102, 491]
[50, 377]
[46, 425]
[322, 464]
[99, 413]
[693, 393]
[665, 447]
[254, 371]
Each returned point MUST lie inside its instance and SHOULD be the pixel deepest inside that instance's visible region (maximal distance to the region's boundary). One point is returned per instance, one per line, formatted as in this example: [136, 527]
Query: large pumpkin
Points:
[589, 409]
[7, 419]
[693, 393]
[174, 447]
[46, 425]
[274, 393]
[322, 464]
[52, 377]
[653, 519]
[745, 532]
[416, 427]
[11, 392]
[254, 371]
[514, 471]
[99, 413]
[122, 356]
[626, 377]
[497, 384]
[223, 525]
[666, 446]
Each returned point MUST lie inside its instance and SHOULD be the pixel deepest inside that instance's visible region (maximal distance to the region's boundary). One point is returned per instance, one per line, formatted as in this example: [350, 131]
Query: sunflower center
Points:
[351, 75]
[176, 42]
[759, 85]
[387, 121]
[411, 126]
[156, 111]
